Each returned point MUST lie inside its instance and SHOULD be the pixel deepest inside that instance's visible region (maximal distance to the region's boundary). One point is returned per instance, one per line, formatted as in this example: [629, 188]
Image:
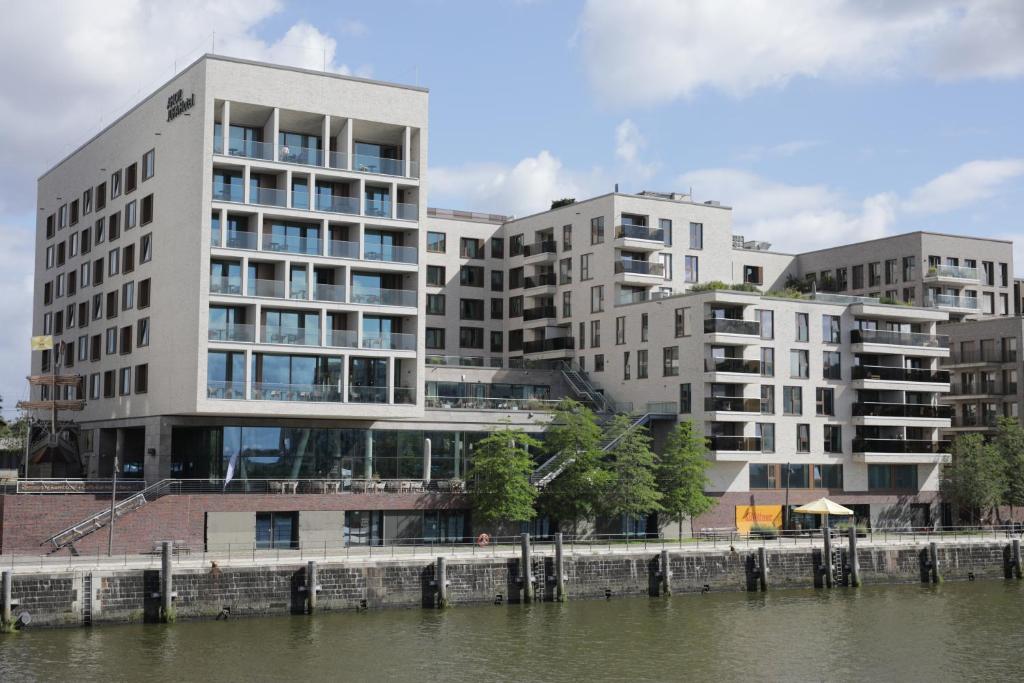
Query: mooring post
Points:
[526, 568]
[828, 557]
[854, 569]
[1015, 554]
[166, 586]
[933, 558]
[312, 587]
[441, 579]
[6, 622]
[559, 570]
[762, 568]
[666, 573]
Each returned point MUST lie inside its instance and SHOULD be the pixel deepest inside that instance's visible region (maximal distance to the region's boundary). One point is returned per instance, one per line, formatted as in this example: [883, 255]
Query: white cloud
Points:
[526, 187]
[353, 28]
[781, 150]
[628, 142]
[645, 51]
[963, 186]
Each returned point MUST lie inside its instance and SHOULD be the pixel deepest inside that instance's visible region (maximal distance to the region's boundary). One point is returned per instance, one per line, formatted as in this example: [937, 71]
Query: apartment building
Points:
[244, 270]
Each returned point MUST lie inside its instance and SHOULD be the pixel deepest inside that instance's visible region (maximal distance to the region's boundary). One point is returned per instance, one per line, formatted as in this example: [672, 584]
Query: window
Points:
[858, 277]
[74, 212]
[126, 339]
[595, 334]
[892, 478]
[277, 530]
[597, 299]
[625, 365]
[471, 309]
[583, 335]
[565, 271]
[690, 269]
[49, 257]
[97, 306]
[128, 258]
[802, 327]
[50, 226]
[515, 307]
[909, 265]
[830, 329]
[95, 347]
[471, 276]
[987, 267]
[435, 304]
[766, 430]
[831, 365]
[143, 293]
[641, 364]
[127, 296]
[767, 361]
[597, 230]
[435, 276]
[130, 216]
[497, 247]
[86, 240]
[146, 210]
[142, 378]
[874, 276]
[470, 247]
[146, 248]
[1004, 275]
[842, 280]
[148, 164]
[825, 401]
[753, 275]
[792, 401]
[696, 238]
[515, 245]
[497, 341]
[766, 320]
[798, 364]
[126, 381]
[803, 438]
[515, 340]
[566, 237]
[113, 261]
[767, 399]
[114, 226]
[108, 384]
[434, 338]
[685, 398]
[599, 362]
[471, 337]
[515, 278]
[643, 326]
[670, 361]
[497, 280]
[833, 439]
[890, 271]
[435, 242]
[585, 266]
[620, 330]
[111, 305]
[566, 304]
[130, 178]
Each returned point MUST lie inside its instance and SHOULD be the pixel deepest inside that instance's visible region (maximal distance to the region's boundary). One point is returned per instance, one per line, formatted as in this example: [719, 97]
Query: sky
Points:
[820, 121]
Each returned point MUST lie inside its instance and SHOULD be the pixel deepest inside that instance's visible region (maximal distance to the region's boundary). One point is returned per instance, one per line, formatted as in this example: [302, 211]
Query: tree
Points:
[632, 489]
[574, 439]
[681, 473]
[975, 479]
[564, 201]
[1010, 443]
[500, 472]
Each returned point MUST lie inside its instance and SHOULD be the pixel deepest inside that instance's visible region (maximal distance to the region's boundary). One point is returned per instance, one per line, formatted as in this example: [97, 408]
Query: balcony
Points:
[248, 149]
[898, 374]
[358, 394]
[633, 269]
[931, 341]
[225, 285]
[463, 361]
[389, 253]
[299, 336]
[268, 196]
[732, 404]
[987, 421]
[738, 365]
[902, 410]
[626, 298]
[750, 328]
[540, 248]
[333, 293]
[272, 289]
[393, 341]
[742, 444]
[407, 212]
[232, 332]
[554, 344]
[983, 388]
[982, 357]
[340, 249]
[364, 163]
[947, 273]
[900, 446]
[405, 395]
[640, 232]
[307, 156]
[481, 403]
[950, 301]
[383, 297]
[346, 339]
[330, 203]
[539, 313]
[292, 244]
[311, 393]
[225, 390]
[228, 193]
[541, 280]
[241, 240]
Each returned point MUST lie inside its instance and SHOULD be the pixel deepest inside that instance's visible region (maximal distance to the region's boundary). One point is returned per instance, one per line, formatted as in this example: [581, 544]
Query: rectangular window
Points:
[825, 401]
[599, 362]
[148, 164]
[890, 271]
[142, 378]
[597, 230]
[565, 271]
[434, 339]
[497, 341]
[767, 399]
[874, 274]
[685, 398]
[126, 339]
[803, 438]
[435, 242]
[471, 276]
[643, 327]
[515, 307]
[831, 332]
[470, 247]
[146, 210]
[858, 277]
[585, 267]
[792, 401]
[691, 269]
[566, 237]
[143, 294]
[892, 478]
[142, 332]
[130, 178]
[831, 365]
[767, 361]
[435, 304]
[130, 216]
[670, 361]
[566, 304]
[497, 248]
[127, 296]
[435, 276]
[766, 320]
[625, 365]
[833, 439]
[108, 384]
[641, 364]
[799, 367]
[620, 330]
[471, 337]
[766, 430]
[515, 245]
[597, 299]
[802, 327]
[471, 309]
[595, 334]
[497, 281]
[696, 237]
[681, 314]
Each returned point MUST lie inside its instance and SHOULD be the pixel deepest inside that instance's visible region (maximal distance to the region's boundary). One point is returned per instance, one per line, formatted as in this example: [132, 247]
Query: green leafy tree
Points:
[500, 473]
[681, 473]
[1010, 443]
[632, 489]
[574, 439]
[975, 479]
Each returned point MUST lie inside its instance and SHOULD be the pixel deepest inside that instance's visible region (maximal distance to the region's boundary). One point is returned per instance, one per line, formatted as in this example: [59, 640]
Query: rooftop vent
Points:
[674, 196]
[713, 202]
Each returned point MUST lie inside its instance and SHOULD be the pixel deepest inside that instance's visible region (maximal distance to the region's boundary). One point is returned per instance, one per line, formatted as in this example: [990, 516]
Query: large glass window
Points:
[277, 530]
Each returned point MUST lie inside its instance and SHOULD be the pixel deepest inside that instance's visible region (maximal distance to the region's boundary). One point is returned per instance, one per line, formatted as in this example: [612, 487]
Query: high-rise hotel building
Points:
[244, 270]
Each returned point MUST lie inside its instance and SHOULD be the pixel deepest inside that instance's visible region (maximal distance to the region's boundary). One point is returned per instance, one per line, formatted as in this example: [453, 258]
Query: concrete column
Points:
[344, 379]
[166, 583]
[312, 586]
[666, 588]
[827, 557]
[287, 187]
[762, 568]
[275, 128]
[441, 579]
[459, 455]
[393, 192]
[560, 595]
[406, 146]
[362, 209]
[249, 376]
[225, 124]
[368, 471]
[391, 379]
[427, 459]
[246, 174]
[6, 620]
[326, 141]
[854, 570]
[224, 228]
[526, 567]
[349, 151]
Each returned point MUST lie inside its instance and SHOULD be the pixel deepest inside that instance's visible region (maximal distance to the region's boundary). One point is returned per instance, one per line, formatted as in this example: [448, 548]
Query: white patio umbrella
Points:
[826, 507]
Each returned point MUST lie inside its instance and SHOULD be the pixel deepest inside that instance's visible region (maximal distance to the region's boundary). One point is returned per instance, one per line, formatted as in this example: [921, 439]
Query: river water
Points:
[953, 632]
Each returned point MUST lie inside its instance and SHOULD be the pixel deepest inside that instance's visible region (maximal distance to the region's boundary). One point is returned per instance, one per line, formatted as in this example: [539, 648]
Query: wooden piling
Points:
[560, 595]
[441, 579]
[526, 567]
[167, 613]
[666, 573]
[762, 568]
[853, 571]
[312, 586]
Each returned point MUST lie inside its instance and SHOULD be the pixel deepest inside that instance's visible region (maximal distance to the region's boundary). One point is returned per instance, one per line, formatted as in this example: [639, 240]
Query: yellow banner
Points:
[43, 342]
[764, 515]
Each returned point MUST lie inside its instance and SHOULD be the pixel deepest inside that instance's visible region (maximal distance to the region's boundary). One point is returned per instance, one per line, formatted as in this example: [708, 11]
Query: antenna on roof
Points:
[616, 188]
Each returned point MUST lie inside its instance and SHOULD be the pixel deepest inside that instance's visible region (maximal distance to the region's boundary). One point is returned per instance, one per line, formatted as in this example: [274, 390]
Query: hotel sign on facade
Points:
[178, 104]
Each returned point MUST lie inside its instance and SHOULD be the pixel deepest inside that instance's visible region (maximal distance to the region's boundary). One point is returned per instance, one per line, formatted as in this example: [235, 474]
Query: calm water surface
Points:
[957, 631]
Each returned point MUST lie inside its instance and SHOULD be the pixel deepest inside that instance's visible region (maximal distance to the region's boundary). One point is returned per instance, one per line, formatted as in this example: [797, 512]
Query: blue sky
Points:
[820, 121]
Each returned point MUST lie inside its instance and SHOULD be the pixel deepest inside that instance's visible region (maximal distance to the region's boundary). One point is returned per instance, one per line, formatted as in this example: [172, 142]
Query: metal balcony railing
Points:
[543, 247]
[555, 344]
[938, 341]
[732, 326]
[900, 446]
[540, 312]
[637, 267]
[639, 232]
[897, 374]
[732, 404]
[734, 443]
[743, 365]
[541, 280]
[916, 410]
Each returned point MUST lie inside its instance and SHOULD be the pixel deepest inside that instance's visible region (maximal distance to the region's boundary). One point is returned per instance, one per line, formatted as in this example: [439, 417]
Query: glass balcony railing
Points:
[732, 404]
[540, 312]
[266, 288]
[335, 293]
[249, 149]
[489, 403]
[347, 339]
[900, 446]
[897, 374]
[748, 444]
[338, 160]
[952, 272]
[460, 361]
[357, 394]
[340, 249]
[382, 297]
[637, 267]
[378, 208]
[407, 212]
[337, 204]
[938, 341]
[395, 341]
[214, 237]
[951, 301]
[313, 393]
[625, 298]
[554, 344]
[228, 193]
[983, 388]
[542, 247]
[232, 332]
[541, 280]
[370, 164]
[987, 421]
[225, 285]
[291, 244]
[405, 395]
[308, 156]
[920, 410]
[732, 326]
[225, 390]
[302, 336]
[639, 232]
[742, 365]
[298, 291]
[389, 253]
[963, 356]
[241, 240]
[268, 196]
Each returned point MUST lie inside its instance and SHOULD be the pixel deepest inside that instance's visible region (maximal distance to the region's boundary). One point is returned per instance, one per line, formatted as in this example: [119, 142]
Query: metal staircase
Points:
[555, 465]
[584, 389]
[74, 533]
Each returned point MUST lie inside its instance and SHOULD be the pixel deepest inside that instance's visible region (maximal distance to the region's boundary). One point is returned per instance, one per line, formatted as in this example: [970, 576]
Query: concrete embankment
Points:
[72, 597]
